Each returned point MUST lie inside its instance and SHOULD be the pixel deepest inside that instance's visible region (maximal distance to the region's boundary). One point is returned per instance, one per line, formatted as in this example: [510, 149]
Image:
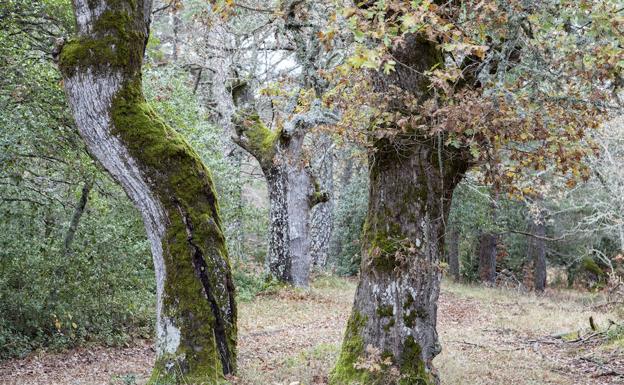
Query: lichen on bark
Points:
[194, 245]
[166, 180]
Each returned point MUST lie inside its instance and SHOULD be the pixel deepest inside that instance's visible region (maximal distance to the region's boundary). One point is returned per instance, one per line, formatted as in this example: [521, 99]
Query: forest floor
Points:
[489, 336]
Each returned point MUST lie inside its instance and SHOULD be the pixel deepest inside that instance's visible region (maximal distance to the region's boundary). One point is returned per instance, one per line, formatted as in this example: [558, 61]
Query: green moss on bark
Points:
[198, 294]
[413, 371]
[345, 373]
[114, 42]
[185, 188]
[261, 141]
[385, 311]
[411, 367]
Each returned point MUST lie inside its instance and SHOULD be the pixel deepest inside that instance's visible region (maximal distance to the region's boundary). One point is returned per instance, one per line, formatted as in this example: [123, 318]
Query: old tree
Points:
[439, 87]
[451, 85]
[196, 312]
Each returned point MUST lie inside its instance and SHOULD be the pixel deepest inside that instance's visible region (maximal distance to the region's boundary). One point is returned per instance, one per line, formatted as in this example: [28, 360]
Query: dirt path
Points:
[489, 337]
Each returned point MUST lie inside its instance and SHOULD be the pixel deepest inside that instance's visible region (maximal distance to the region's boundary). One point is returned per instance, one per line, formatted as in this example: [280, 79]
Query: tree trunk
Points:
[292, 195]
[292, 188]
[78, 211]
[487, 258]
[453, 252]
[322, 214]
[537, 252]
[166, 180]
[395, 309]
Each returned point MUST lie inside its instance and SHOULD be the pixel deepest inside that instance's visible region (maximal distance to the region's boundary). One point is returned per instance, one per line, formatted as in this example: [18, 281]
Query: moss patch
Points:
[344, 373]
[115, 41]
[262, 142]
[198, 294]
[413, 370]
[185, 187]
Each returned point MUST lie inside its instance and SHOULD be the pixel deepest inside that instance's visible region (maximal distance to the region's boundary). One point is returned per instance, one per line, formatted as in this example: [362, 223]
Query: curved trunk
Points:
[393, 320]
[166, 180]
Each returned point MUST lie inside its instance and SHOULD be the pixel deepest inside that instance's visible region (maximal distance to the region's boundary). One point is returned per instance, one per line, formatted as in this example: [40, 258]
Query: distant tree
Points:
[537, 250]
[487, 257]
[166, 180]
[453, 251]
[292, 181]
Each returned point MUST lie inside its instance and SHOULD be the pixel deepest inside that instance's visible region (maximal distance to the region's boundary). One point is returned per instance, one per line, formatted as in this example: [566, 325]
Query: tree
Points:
[445, 91]
[291, 182]
[321, 221]
[488, 241]
[453, 251]
[166, 180]
[537, 250]
[293, 190]
[487, 258]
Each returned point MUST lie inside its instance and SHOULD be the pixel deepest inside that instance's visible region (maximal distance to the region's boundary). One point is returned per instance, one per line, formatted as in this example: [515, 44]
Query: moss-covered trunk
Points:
[412, 178]
[292, 189]
[393, 322]
[164, 177]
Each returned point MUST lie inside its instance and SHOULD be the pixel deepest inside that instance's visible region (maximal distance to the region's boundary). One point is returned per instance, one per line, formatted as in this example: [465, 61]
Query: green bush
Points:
[101, 292]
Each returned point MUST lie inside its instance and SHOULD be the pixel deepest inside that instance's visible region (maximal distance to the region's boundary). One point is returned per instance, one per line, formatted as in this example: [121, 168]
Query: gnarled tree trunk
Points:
[292, 191]
[166, 180]
[412, 178]
[395, 307]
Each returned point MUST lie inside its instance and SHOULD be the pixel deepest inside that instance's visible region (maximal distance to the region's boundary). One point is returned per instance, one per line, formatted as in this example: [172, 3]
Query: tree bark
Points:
[322, 214]
[453, 252]
[395, 307]
[537, 252]
[487, 257]
[292, 188]
[78, 211]
[412, 177]
[166, 180]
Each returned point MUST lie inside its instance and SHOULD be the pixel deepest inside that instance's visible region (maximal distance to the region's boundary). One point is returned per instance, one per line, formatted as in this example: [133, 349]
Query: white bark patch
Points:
[90, 96]
[169, 341]
[85, 16]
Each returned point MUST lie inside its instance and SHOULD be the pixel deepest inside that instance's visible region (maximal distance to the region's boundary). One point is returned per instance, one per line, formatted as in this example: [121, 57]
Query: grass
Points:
[489, 337]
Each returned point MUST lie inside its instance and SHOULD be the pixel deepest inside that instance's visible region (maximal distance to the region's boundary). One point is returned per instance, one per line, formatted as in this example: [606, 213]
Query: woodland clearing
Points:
[490, 336]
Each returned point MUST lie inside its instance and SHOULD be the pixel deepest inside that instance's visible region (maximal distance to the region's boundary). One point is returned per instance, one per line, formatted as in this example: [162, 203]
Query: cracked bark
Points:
[412, 178]
[167, 182]
[322, 214]
[292, 193]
